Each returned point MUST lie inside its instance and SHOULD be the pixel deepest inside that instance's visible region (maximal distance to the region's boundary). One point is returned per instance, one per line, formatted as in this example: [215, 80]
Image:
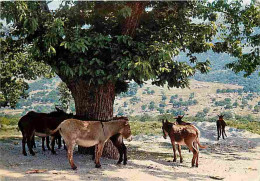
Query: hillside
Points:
[204, 93]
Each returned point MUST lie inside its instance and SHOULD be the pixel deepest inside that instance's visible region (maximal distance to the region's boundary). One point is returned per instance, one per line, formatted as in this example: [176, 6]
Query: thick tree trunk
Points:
[94, 103]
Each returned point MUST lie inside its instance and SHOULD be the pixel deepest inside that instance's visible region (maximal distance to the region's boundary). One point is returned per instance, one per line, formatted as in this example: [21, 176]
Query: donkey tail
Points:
[197, 138]
[51, 132]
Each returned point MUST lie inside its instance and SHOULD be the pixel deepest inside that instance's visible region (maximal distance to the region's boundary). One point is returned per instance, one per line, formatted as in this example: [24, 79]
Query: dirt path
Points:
[150, 158]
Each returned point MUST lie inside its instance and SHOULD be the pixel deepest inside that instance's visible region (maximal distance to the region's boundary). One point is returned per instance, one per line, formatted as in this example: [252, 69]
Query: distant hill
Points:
[218, 73]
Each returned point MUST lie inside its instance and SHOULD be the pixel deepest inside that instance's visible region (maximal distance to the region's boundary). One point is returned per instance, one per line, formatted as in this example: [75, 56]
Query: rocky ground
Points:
[150, 158]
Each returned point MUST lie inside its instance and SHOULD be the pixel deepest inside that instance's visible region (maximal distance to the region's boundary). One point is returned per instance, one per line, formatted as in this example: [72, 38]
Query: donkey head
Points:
[126, 132]
[220, 117]
[165, 125]
[179, 118]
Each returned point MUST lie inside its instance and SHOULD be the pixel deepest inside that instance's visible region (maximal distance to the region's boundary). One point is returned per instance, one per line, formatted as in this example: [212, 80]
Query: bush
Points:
[200, 115]
[206, 110]
[227, 115]
[9, 119]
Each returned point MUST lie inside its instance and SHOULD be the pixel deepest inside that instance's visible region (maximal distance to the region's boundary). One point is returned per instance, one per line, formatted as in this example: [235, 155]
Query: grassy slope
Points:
[204, 92]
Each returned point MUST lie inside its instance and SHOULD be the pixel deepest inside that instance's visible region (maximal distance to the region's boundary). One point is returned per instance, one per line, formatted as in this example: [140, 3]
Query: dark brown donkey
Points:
[90, 133]
[183, 135]
[179, 120]
[34, 123]
[221, 124]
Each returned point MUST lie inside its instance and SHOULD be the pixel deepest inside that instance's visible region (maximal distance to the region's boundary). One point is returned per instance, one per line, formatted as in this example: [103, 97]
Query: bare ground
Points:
[150, 158]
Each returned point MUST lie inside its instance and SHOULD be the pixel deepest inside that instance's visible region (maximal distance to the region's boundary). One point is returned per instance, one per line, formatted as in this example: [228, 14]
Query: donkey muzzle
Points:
[130, 138]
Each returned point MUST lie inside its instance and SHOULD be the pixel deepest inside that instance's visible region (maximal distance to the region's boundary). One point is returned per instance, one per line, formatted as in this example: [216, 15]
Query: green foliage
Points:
[173, 97]
[120, 111]
[135, 100]
[151, 105]
[192, 95]
[200, 114]
[131, 90]
[256, 108]
[206, 110]
[164, 97]
[152, 125]
[65, 96]
[161, 110]
[253, 127]
[16, 67]
[227, 115]
[143, 107]
[92, 41]
[6, 119]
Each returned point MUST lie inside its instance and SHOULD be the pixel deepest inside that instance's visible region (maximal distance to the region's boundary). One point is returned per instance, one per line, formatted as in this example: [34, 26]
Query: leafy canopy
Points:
[102, 42]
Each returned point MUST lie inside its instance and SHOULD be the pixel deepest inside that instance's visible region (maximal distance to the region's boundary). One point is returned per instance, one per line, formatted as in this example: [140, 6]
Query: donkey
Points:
[221, 124]
[34, 123]
[90, 133]
[179, 120]
[183, 135]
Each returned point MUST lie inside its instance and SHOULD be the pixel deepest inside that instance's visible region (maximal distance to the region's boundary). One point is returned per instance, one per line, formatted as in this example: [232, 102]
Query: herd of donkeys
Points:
[74, 132]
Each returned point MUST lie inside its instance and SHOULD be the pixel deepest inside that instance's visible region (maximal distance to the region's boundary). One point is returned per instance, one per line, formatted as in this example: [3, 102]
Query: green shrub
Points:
[9, 119]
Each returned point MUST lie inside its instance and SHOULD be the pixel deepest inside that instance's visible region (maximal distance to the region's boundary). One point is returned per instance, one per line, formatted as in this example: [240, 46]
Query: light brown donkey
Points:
[90, 133]
[183, 135]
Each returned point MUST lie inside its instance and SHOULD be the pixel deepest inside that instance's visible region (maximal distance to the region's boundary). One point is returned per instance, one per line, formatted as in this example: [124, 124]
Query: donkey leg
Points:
[52, 145]
[70, 148]
[124, 153]
[117, 142]
[33, 142]
[179, 150]
[48, 142]
[174, 151]
[59, 142]
[197, 159]
[223, 132]
[194, 151]
[218, 130]
[99, 151]
[29, 144]
[64, 146]
[43, 140]
[23, 145]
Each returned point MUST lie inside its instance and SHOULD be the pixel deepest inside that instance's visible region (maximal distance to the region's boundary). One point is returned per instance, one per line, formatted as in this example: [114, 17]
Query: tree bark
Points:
[94, 102]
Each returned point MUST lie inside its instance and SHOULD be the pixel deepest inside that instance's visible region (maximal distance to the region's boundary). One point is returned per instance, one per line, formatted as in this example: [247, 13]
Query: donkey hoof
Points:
[54, 152]
[181, 161]
[125, 163]
[98, 166]
[174, 160]
[119, 162]
[74, 167]
[25, 154]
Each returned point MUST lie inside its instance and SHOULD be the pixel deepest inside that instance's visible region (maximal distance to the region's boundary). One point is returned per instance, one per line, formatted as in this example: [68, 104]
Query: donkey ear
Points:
[167, 121]
[59, 110]
[163, 121]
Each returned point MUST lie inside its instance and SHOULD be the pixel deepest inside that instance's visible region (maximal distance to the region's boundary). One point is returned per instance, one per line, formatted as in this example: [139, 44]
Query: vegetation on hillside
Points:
[151, 125]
